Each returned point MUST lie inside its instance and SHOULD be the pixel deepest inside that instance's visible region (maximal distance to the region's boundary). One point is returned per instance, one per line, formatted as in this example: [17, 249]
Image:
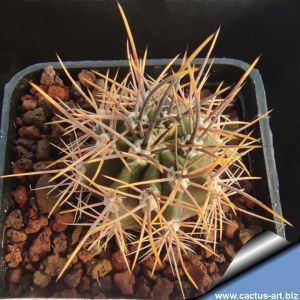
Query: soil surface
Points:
[37, 247]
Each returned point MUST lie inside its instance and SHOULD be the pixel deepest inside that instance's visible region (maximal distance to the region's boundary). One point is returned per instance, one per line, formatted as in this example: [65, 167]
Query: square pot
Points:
[251, 102]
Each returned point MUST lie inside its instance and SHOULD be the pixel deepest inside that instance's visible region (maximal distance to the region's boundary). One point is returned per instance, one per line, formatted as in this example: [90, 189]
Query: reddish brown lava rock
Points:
[86, 75]
[21, 151]
[247, 202]
[26, 143]
[101, 268]
[14, 275]
[72, 279]
[207, 253]
[13, 256]
[28, 103]
[15, 169]
[18, 121]
[41, 245]
[169, 273]
[162, 289]
[16, 236]
[76, 234]
[36, 117]
[26, 97]
[198, 272]
[34, 225]
[85, 255]
[14, 219]
[32, 213]
[188, 291]
[118, 261]
[148, 264]
[20, 195]
[125, 281]
[42, 150]
[48, 76]
[212, 268]
[142, 288]
[68, 293]
[245, 235]
[42, 165]
[106, 283]
[228, 248]
[60, 243]
[84, 284]
[53, 264]
[25, 164]
[30, 132]
[46, 199]
[61, 93]
[61, 221]
[230, 229]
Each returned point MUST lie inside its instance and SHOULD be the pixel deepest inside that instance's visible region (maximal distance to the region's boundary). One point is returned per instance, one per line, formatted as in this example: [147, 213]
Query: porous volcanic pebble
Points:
[72, 279]
[86, 75]
[41, 165]
[28, 103]
[61, 93]
[149, 263]
[14, 275]
[106, 283]
[20, 195]
[45, 200]
[228, 248]
[30, 132]
[162, 289]
[13, 256]
[53, 264]
[198, 272]
[101, 268]
[76, 234]
[16, 236]
[36, 117]
[230, 229]
[68, 293]
[84, 284]
[14, 219]
[60, 243]
[142, 289]
[47, 77]
[118, 261]
[208, 252]
[26, 143]
[41, 279]
[245, 235]
[24, 164]
[61, 221]
[42, 150]
[125, 281]
[34, 225]
[41, 245]
[86, 256]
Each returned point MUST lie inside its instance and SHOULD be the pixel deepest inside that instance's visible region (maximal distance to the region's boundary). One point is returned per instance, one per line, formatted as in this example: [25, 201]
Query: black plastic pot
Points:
[251, 101]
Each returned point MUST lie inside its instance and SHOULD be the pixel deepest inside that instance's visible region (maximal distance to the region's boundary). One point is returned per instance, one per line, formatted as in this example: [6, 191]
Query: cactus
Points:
[157, 155]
